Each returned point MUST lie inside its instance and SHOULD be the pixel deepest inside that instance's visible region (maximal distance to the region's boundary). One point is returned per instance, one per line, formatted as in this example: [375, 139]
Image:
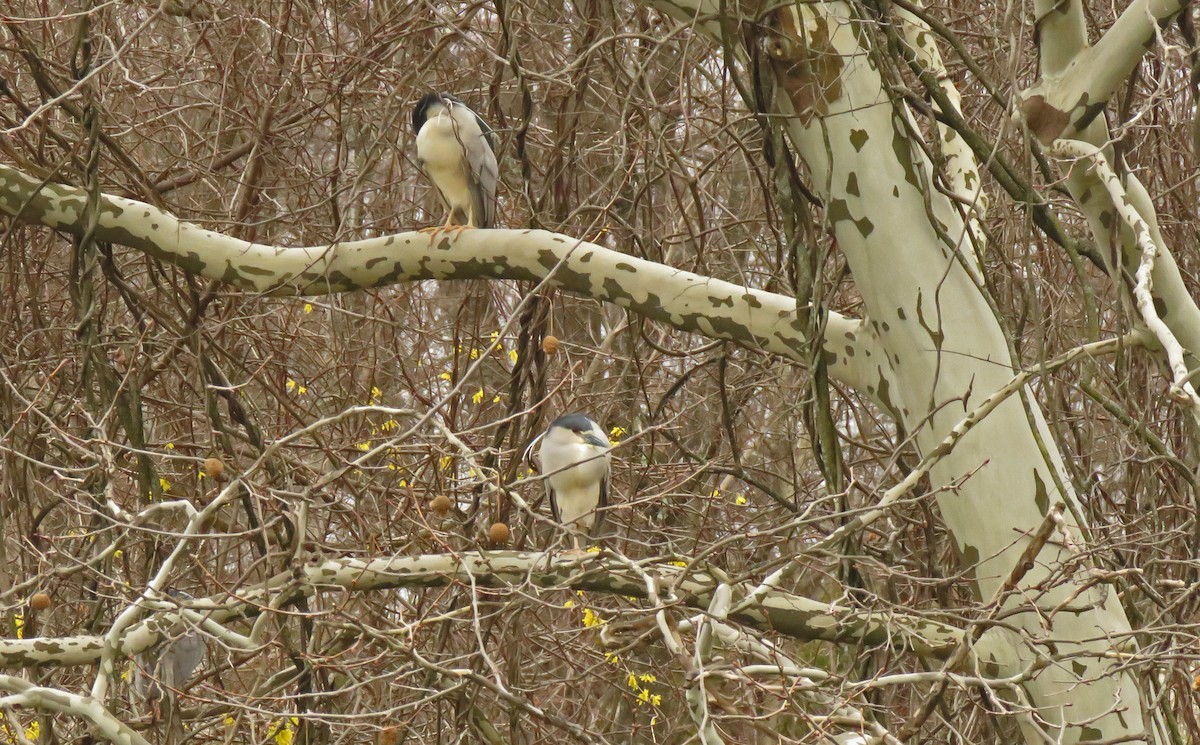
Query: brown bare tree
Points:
[888, 308]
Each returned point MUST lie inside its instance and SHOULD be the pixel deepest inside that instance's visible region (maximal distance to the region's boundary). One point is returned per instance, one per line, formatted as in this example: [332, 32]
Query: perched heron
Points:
[456, 150]
[575, 457]
[166, 667]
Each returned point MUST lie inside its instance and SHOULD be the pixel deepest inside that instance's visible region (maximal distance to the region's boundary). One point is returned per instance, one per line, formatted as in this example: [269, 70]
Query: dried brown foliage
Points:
[287, 123]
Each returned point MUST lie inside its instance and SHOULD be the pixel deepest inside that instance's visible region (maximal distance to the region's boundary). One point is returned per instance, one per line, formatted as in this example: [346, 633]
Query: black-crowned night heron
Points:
[574, 457]
[167, 667]
[455, 148]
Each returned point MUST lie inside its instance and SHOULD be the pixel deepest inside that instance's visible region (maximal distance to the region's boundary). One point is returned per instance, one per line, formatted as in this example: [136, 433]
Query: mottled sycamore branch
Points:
[690, 302]
[779, 611]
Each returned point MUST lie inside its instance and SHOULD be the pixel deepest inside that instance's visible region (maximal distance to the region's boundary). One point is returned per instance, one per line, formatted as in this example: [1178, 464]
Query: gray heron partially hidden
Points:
[166, 667]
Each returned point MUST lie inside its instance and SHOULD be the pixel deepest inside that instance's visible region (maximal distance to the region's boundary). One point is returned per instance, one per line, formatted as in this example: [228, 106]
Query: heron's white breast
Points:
[591, 465]
[440, 148]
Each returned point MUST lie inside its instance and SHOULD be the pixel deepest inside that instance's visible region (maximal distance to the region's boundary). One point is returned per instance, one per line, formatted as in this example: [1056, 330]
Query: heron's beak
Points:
[593, 440]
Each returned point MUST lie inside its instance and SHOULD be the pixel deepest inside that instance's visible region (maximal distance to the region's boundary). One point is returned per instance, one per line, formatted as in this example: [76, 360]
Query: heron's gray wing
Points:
[550, 495]
[601, 505]
[484, 174]
[187, 653]
[170, 663]
[145, 677]
[488, 134]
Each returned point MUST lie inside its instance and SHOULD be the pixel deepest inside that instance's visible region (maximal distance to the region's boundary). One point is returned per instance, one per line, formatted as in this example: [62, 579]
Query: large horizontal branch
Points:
[690, 302]
[777, 611]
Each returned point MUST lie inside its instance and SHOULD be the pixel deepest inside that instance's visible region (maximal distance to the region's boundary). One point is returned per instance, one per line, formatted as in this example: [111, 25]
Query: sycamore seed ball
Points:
[215, 468]
[388, 736]
[498, 533]
[441, 504]
[550, 344]
[39, 601]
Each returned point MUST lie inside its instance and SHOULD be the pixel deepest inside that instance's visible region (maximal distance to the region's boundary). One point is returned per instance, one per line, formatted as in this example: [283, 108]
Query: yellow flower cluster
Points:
[591, 619]
[639, 685]
[395, 454]
[294, 387]
[283, 731]
[31, 732]
[739, 499]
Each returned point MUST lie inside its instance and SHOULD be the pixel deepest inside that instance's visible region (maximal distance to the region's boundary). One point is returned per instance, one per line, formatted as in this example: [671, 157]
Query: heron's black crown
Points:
[575, 422]
[421, 111]
[420, 114]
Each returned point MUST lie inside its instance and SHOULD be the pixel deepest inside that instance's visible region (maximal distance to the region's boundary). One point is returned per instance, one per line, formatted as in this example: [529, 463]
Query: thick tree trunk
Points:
[944, 352]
